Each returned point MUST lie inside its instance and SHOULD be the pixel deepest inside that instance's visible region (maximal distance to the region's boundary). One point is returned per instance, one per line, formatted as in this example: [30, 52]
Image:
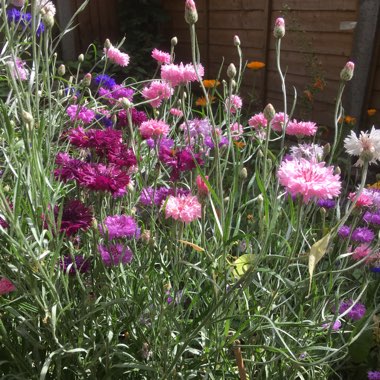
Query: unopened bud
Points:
[174, 41]
[126, 103]
[347, 72]
[81, 58]
[94, 224]
[226, 199]
[202, 187]
[269, 112]
[233, 84]
[279, 28]
[48, 20]
[326, 149]
[260, 153]
[191, 14]
[236, 41]
[87, 80]
[27, 118]
[130, 187]
[243, 173]
[337, 170]
[62, 70]
[107, 44]
[145, 236]
[260, 199]
[231, 71]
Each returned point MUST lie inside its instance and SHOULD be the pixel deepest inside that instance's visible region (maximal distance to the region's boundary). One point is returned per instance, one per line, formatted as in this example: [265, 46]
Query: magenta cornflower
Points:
[183, 208]
[116, 56]
[81, 113]
[373, 218]
[362, 235]
[309, 179]
[334, 326]
[94, 138]
[181, 74]
[75, 216]
[120, 226]
[115, 93]
[234, 102]
[121, 155]
[6, 286]
[357, 311]
[373, 375]
[100, 177]
[161, 56]
[258, 121]
[150, 196]
[153, 129]
[344, 232]
[67, 167]
[157, 92]
[301, 128]
[115, 254]
[361, 251]
[70, 266]
[176, 112]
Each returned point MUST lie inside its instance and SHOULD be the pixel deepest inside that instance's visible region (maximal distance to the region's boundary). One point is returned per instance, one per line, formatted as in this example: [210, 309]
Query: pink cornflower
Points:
[279, 28]
[334, 326]
[157, 92]
[279, 121]
[176, 112]
[161, 56]
[18, 3]
[6, 286]
[236, 131]
[361, 251]
[81, 113]
[258, 121]
[116, 56]
[181, 74]
[120, 226]
[153, 129]
[183, 208]
[17, 69]
[364, 199]
[309, 179]
[115, 254]
[234, 102]
[301, 128]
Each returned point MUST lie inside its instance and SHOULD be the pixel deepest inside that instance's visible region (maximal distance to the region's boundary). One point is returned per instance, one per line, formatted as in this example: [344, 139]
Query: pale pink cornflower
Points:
[176, 112]
[258, 121]
[157, 92]
[234, 102]
[18, 3]
[236, 131]
[116, 56]
[153, 129]
[184, 208]
[46, 7]
[279, 28]
[364, 200]
[361, 251]
[6, 286]
[309, 179]
[17, 69]
[82, 113]
[278, 121]
[366, 146]
[181, 74]
[191, 14]
[161, 56]
[301, 128]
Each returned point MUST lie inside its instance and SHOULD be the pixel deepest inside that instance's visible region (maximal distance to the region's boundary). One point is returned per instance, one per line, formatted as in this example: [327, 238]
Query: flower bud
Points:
[279, 28]
[233, 84]
[202, 187]
[236, 40]
[27, 118]
[145, 236]
[174, 41]
[191, 14]
[107, 44]
[62, 70]
[269, 112]
[87, 80]
[81, 58]
[243, 173]
[337, 170]
[48, 20]
[126, 103]
[347, 72]
[231, 71]
[326, 149]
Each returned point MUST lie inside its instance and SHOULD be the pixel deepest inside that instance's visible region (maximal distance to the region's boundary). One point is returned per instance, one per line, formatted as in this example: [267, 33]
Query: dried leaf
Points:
[317, 251]
[192, 245]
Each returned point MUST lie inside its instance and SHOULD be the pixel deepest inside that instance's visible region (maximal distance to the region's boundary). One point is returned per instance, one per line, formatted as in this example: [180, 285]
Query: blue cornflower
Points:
[105, 81]
[105, 121]
[24, 20]
[326, 203]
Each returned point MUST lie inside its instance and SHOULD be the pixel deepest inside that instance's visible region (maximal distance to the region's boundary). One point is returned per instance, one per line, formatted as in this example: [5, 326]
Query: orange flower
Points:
[349, 120]
[255, 65]
[375, 185]
[319, 84]
[210, 83]
[239, 144]
[202, 102]
[371, 111]
[308, 95]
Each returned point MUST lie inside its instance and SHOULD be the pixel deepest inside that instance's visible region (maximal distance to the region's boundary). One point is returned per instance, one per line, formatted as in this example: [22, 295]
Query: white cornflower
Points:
[366, 146]
[308, 151]
[46, 7]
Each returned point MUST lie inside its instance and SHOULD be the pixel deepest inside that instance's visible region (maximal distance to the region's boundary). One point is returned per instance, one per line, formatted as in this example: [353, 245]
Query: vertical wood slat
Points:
[267, 16]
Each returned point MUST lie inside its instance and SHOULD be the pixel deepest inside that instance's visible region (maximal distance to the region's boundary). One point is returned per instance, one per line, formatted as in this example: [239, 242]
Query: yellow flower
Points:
[349, 120]
[371, 111]
[255, 65]
[210, 83]
[202, 102]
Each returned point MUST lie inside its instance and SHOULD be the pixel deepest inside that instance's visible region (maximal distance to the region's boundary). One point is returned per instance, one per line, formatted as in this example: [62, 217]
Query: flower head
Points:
[362, 235]
[18, 70]
[210, 83]
[181, 74]
[6, 286]
[301, 128]
[258, 121]
[81, 113]
[116, 56]
[309, 179]
[154, 129]
[357, 310]
[191, 14]
[255, 65]
[373, 375]
[366, 146]
[234, 102]
[157, 92]
[161, 57]
[105, 81]
[311, 152]
[66, 263]
[115, 254]
[279, 28]
[183, 208]
[120, 226]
